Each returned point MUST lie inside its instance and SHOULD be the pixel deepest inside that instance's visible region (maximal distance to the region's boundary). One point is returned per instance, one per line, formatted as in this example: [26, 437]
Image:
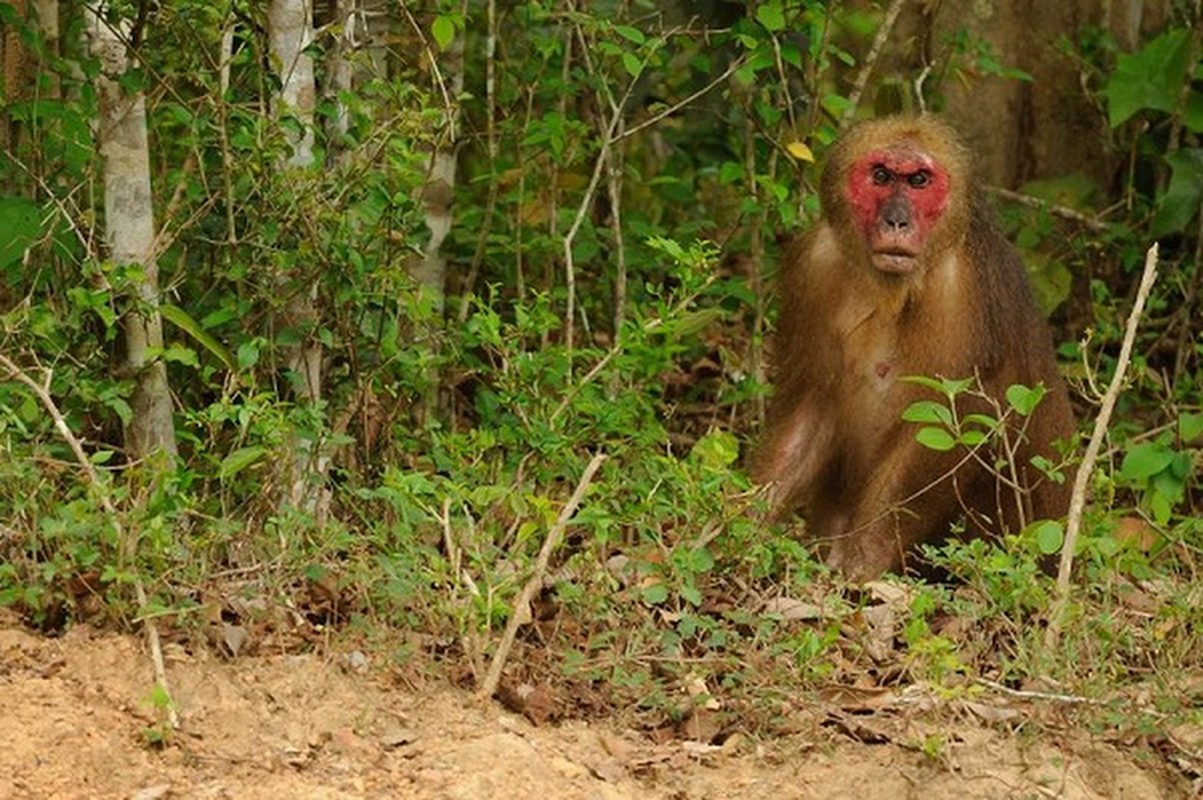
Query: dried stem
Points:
[521, 612]
[1077, 501]
[152, 633]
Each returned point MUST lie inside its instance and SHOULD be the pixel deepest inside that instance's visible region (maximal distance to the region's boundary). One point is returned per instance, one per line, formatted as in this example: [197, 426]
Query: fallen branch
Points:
[60, 422]
[1027, 694]
[1077, 503]
[521, 611]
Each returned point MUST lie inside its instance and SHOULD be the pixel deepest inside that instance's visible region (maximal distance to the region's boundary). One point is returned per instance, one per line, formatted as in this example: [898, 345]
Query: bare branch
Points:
[1077, 503]
[862, 78]
[521, 612]
[42, 392]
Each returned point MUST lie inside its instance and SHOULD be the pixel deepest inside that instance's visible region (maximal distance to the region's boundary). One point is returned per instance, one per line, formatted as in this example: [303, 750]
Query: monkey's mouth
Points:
[897, 260]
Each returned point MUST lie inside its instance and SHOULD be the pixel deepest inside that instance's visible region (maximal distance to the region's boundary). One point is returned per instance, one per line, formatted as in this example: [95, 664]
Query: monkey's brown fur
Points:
[857, 316]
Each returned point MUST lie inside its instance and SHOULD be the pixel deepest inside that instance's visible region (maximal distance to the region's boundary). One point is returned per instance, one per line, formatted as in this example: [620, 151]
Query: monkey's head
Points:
[897, 190]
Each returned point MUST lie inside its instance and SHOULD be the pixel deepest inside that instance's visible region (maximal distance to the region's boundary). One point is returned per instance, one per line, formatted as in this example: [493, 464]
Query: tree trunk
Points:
[130, 234]
[439, 191]
[290, 31]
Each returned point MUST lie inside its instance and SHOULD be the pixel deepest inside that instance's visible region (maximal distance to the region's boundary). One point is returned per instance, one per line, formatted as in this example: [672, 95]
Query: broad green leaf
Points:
[691, 595]
[928, 411]
[184, 321]
[699, 559]
[654, 593]
[1048, 534]
[632, 64]
[1143, 461]
[1178, 208]
[1149, 79]
[443, 30]
[1024, 399]
[179, 354]
[20, 224]
[717, 449]
[1190, 426]
[1192, 117]
[972, 438]
[771, 16]
[1161, 507]
[935, 439]
[630, 34]
[239, 460]
[984, 420]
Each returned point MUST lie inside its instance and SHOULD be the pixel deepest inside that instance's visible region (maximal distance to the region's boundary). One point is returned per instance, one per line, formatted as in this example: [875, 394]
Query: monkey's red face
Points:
[897, 197]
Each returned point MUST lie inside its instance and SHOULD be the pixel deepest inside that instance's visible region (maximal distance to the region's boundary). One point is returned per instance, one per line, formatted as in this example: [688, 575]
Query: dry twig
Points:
[521, 612]
[1077, 503]
[152, 633]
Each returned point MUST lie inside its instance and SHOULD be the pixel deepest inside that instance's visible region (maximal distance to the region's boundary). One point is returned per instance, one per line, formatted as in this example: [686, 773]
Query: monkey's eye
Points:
[919, 179]
[881, 176]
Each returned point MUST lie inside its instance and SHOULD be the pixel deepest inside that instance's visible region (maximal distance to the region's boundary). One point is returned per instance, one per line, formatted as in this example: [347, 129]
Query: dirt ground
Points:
[75, 712]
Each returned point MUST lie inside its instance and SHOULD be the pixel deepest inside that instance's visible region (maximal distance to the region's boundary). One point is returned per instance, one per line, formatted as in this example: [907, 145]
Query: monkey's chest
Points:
[872, 361]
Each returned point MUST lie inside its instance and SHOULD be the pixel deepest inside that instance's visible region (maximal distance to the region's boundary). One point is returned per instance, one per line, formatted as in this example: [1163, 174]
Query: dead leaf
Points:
[789, 608]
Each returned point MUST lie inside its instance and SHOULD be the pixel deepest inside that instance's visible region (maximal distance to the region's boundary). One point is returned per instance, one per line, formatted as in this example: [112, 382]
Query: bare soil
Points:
[76, 711]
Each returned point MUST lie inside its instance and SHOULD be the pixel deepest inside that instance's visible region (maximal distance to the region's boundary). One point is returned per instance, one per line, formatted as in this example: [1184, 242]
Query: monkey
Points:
[905, 274]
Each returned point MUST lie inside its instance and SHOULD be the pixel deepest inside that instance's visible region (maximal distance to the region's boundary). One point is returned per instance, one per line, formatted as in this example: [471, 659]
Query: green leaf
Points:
[101, 457]
[1023, 399]
[1179, 206]
[654, 594]
[632, 64]
[20, 225]
[179, 354]
[184, 321]
[771, 16]
[716, 449]
[1192, 117]
[630, 34]
[1049, 535]
[928, 411]
[949, 387]
[1143, 461]
[443, 30]
[691, 595]
[986, 421]
[1149, 79]
[730, 172]
[936, 439]
[972, 438]
[1190, 427]
[700, 560]
[239, 460]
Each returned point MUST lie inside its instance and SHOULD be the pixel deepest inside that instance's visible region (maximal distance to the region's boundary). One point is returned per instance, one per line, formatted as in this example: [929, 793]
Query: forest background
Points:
[318, 321]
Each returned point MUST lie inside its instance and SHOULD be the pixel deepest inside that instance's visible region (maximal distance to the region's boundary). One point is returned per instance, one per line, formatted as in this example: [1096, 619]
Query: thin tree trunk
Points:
[439, 191]
[290, 31]
[130, 234]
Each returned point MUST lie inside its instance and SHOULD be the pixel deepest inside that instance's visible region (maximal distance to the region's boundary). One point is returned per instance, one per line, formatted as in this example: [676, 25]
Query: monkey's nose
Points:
[895, 214]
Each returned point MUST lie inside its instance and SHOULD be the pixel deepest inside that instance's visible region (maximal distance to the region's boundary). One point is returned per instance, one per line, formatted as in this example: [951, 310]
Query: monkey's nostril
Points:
[896, 214]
